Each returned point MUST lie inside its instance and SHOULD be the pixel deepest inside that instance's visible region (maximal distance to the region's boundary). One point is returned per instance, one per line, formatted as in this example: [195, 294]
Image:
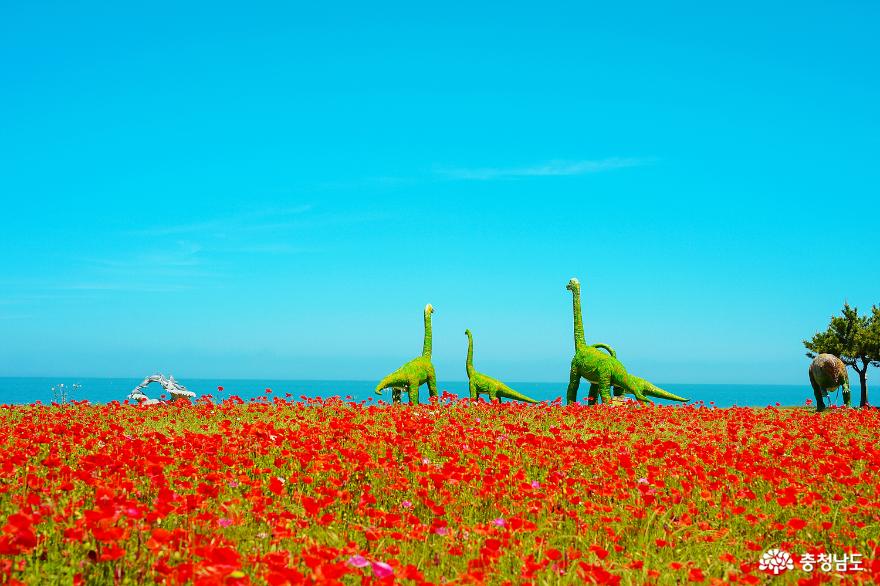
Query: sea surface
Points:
[105, 390]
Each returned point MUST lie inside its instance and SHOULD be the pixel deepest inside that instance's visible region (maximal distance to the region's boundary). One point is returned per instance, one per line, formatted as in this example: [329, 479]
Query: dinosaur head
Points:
[429, 309]
[573, 285]
[467, 332]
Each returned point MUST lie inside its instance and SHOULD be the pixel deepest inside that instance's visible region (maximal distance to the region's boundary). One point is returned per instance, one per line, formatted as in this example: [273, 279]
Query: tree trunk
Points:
[863, 380]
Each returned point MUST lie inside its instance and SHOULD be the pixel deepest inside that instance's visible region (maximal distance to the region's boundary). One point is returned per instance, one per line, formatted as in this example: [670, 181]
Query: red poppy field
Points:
[452, 492]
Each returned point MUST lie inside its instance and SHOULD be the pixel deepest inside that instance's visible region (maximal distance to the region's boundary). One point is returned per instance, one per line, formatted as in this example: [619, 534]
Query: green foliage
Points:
[842, 338]
[853, 338]
[871, 337]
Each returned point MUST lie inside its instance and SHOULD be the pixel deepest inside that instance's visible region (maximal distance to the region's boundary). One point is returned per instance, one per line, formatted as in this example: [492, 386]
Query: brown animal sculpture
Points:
[827, 372]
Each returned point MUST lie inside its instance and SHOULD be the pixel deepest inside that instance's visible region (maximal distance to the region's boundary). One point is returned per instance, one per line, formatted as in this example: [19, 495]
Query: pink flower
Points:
[358, 561]
[382, 570]
[406, 505]
[536, 484]
[442, 531]
[224, 522]
[499, 522]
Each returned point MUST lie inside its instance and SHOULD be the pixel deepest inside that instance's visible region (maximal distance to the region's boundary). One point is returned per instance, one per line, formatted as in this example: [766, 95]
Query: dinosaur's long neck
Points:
[426, 347]
[579, 340]
[470, 357]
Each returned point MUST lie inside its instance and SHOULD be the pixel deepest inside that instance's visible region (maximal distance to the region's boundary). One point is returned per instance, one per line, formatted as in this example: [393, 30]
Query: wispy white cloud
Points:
[157, 268]
[249, 221]
[141, 287]
[163, 258]
[28, 296]
[269, 248]
[378, 181]
[548, 169]
[170, 258]
[181, 254]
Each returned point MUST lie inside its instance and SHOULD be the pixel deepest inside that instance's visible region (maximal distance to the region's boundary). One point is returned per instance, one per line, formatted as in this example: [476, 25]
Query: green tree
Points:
[853, 338]
[872, 337]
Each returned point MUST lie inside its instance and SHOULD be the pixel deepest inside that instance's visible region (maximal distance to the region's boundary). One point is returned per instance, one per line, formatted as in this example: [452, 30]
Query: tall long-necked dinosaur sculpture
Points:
[601, 369]
[827, 372]
[479, 383]
[414, 373]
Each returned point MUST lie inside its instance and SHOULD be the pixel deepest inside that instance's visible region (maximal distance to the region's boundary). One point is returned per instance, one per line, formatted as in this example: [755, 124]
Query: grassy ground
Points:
[278, 493]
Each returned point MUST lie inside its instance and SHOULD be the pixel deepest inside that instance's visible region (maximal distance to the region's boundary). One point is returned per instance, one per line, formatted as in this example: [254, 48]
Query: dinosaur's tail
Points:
[509, 393]
[659, 393]
[655, 391]
[651, 390]
[607, 348]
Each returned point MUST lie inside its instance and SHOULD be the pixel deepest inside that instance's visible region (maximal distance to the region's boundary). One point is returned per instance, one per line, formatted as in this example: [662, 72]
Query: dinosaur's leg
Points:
[493, 395]
[574, 381]
[817, 392]
[845, 391]
[605, 386]
[472, 387]
[395, 395]
[593, 397]
[414, 392]
[432, 383]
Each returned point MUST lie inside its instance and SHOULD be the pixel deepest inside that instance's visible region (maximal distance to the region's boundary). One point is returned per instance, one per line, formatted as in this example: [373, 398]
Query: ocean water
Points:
[104, 390]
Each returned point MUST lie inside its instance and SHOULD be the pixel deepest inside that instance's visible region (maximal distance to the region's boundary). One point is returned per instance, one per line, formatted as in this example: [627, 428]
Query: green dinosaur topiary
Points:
[479, 383]
[603, 370]
[414, 373]
[827, 372]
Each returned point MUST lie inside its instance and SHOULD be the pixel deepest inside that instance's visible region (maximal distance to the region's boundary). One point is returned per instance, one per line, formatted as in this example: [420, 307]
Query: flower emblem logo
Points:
[776, 561]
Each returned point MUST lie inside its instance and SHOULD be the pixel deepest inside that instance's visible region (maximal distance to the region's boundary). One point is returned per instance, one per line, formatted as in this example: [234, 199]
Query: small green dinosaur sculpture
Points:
[827, 372]
[479, 383]
[414, 373]
[603, 370]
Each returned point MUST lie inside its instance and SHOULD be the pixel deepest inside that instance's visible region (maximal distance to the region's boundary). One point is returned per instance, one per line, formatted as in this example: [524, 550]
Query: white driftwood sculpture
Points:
[171, 386]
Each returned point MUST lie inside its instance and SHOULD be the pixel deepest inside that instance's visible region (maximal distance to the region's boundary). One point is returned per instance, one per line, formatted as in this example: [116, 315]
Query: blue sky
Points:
[277, 190]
